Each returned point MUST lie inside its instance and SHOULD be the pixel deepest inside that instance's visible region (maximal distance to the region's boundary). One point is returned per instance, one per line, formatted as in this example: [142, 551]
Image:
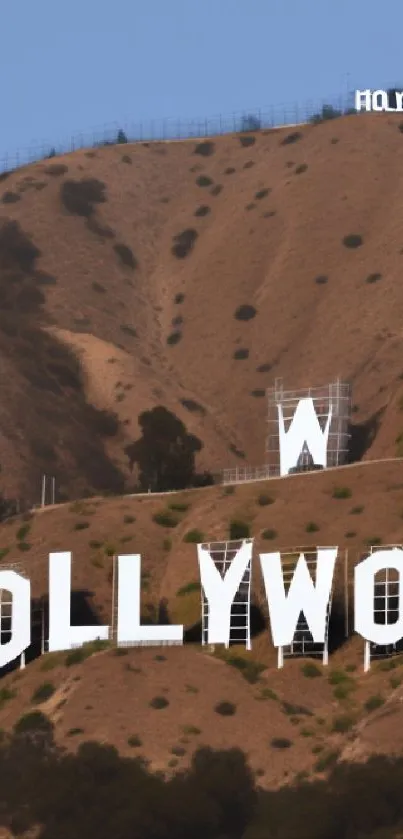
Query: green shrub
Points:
[312, 527]
[194, 536]
[343, 723]
[267, 693]
[249, 668]
[34, 721]
[280, 743]
[264, 500]
[353, 240]
[226, 709]
[238, 530]
[134, 741]
[167, 544]
[72, 732]
[327, 761]
[191, 729]
[5, 695]
[341, 492]
[269, 534]
[311, 670]
[22, 532]
[159, 702]
[355, 511]
[165, 519]
[296, 710]
[179, 507]
[129, 519]
[81, 525]
[43, 693]
[374, 702]
[189, 588]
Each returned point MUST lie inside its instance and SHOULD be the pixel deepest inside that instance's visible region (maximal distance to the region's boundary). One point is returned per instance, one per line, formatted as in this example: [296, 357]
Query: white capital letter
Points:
[364, 592]
[62, 636]
[303, 595]
[304, 428]
[383, 105]
[220, 592]
[130, 630]
[20, 590]
[362, 97]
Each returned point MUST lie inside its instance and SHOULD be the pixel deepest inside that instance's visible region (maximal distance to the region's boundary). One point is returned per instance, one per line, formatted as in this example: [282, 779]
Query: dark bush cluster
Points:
[95, 792]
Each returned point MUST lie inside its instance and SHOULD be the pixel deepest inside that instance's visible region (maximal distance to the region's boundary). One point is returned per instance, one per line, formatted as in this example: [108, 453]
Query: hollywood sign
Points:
[378, 100]
[220, 591]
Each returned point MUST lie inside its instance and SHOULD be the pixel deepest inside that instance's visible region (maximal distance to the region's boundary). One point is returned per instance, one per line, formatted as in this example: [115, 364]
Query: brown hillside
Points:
[96, 247]
[321, 714]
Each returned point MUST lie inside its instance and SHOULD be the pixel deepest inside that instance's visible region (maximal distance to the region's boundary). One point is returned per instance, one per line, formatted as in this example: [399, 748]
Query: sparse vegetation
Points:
[43, 693]
[159, 702]
[245, 312]
[189, 588]
[249, 668]
[241, 354]
[125, 255]
[321, 279]
[291, 138]
[301, 168]
[262, 193]
[355, 511]
[265, 500]
[165, 518]
[203, 180]
[311, 670]
[269, 533]
[194, 536]
[202, 211]
[134, 741]
[343, 723]
[174, 338]
[373, 278]
[184, 242]
[205, 149]
[280, 743]
[225, 709]
[341, 492]
[353, 240]
[374, 702]
[239, 530]
[312, 527]
[81, 525]
[79, 197]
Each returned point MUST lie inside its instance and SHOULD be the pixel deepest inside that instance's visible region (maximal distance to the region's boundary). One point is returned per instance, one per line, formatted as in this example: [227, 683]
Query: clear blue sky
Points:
[73, 66]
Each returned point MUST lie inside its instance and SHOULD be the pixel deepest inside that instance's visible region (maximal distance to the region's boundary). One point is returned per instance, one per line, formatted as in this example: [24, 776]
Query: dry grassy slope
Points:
[266, 252]
[109, 699]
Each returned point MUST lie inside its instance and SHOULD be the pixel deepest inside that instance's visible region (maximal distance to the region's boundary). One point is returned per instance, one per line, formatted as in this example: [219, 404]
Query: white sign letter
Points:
[303, 595]
[362, 97]
[62, 636]
[383, 105]
[20, 590]
[304, 428]
[364, 592]
[220, 592]
[130, 630]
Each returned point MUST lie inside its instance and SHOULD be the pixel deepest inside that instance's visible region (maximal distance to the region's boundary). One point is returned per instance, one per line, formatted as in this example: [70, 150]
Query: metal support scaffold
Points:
[387, 594]
[222, 554]
[303, 644]
[332, 400]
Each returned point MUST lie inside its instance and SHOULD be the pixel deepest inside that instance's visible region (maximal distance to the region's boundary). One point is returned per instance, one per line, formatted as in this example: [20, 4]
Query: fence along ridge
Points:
[171, 129]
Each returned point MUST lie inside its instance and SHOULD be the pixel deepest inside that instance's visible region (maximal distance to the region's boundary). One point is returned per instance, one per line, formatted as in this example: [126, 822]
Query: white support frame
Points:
[302, 625]
[382, 593]
[222, 554]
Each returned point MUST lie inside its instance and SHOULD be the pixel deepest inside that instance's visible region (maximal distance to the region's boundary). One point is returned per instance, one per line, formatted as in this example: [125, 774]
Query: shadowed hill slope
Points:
[190, 275]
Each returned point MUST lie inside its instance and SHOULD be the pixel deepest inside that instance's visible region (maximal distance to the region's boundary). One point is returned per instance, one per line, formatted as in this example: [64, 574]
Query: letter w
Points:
[304, 428]
[303, 595]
